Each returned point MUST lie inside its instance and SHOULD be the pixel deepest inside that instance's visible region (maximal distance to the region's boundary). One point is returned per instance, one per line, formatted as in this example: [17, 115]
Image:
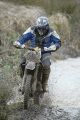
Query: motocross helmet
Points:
[42, 25]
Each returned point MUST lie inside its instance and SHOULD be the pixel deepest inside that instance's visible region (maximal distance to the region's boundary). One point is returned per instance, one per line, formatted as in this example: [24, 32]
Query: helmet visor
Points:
[42, 30]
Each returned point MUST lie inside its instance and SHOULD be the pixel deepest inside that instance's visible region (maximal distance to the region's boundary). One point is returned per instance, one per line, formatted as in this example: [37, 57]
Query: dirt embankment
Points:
[14, 20]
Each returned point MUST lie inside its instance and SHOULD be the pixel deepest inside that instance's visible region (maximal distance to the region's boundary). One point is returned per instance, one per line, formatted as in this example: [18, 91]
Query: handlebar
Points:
[30, 48]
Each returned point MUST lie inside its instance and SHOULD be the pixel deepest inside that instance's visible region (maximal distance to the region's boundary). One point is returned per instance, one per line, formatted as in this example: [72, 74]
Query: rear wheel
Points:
[27, 91]
[37, 93]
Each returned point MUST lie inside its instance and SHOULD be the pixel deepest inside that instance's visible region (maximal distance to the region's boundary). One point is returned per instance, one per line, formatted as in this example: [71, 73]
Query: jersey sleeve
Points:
[55, 39]
[27, 35]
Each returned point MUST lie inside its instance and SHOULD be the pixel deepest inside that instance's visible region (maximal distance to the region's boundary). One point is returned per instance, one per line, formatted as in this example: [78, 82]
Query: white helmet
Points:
[42, 25]
[42, 21]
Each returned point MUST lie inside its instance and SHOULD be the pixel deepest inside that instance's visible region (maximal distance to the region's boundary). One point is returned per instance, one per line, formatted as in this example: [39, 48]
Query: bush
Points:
[4, 97]
[60, 23]
[51, 5]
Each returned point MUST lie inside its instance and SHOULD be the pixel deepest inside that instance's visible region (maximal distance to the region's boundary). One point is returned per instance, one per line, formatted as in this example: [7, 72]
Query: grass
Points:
[50, 5]
[5, 93]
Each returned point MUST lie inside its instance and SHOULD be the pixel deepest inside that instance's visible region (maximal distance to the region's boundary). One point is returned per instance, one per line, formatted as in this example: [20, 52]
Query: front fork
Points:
[33, 80]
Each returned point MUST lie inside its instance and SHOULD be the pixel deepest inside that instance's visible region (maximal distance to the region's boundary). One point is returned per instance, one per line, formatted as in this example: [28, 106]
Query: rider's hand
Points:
[37, 49]
[52, 47]
[18, 45]
[23, 46]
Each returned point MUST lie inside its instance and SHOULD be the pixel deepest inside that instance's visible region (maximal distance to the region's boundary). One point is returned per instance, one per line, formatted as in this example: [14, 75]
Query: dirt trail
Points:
[61, 102]
[42, 113]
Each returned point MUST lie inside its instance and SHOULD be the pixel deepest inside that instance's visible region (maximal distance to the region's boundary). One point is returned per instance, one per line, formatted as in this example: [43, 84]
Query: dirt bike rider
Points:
[41, 35]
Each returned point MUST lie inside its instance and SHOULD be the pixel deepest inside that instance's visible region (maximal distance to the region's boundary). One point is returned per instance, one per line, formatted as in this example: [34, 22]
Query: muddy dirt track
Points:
[62, 102]
[45, 112]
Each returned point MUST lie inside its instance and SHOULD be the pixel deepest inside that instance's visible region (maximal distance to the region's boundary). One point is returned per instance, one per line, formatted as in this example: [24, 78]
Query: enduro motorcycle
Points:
[30, 76]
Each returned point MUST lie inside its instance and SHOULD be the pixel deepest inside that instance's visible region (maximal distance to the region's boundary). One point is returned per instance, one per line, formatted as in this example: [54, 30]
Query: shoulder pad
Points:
[29, 30]
[54, 33]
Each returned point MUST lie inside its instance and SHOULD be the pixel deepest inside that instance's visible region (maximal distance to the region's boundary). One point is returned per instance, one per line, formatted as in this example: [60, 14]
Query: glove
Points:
[23, 46]
[52, 47]
[18, 45]
[37, 49]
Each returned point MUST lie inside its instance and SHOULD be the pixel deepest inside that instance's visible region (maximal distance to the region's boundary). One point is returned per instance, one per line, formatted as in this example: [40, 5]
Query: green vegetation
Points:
[5, 93]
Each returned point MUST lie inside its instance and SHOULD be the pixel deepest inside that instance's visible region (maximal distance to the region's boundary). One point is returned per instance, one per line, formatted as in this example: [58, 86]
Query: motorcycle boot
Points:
[45, 76]
[39, 79]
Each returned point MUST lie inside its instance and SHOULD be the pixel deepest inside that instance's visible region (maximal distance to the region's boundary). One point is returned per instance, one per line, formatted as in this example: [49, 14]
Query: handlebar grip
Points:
[30, 48]
[48, 51]
[16, 46]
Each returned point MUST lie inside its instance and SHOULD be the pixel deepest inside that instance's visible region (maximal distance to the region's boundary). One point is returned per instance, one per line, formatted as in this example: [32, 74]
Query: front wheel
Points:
[27, 91]
[36, 98]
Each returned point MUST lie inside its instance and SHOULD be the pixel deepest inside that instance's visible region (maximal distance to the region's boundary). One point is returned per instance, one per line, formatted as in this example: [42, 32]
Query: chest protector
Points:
[39, 39]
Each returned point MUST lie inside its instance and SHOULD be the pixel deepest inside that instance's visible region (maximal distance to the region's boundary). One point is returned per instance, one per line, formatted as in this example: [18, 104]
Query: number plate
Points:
[30, 65]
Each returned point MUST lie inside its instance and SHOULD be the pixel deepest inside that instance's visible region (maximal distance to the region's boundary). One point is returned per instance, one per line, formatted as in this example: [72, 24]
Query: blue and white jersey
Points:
[30, 34]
